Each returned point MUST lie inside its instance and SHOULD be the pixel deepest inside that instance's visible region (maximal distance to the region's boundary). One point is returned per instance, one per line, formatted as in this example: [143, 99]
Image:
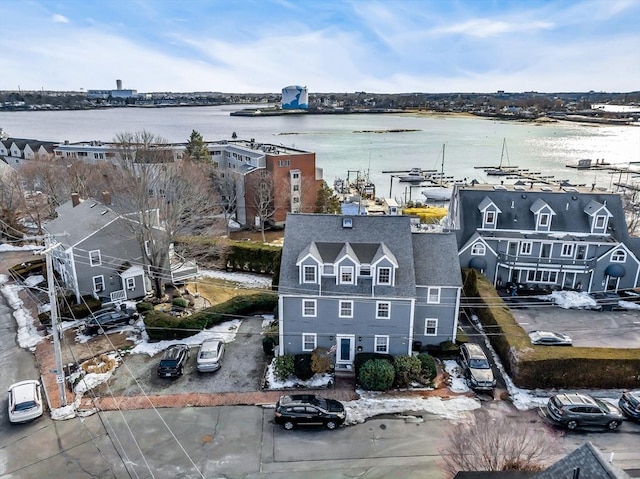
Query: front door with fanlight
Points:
[345, 350]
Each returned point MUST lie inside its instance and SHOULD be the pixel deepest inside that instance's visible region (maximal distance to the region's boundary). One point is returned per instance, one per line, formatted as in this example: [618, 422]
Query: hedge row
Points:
[547, 366]
[162, 325]
[253, 257]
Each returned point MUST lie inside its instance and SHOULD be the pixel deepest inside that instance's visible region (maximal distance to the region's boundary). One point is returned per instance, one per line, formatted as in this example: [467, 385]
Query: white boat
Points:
[414, 176]
[438, 191]
[502, 170]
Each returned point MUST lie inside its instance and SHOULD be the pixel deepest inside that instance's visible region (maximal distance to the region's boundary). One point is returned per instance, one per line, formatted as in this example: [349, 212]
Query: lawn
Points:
[218, 291]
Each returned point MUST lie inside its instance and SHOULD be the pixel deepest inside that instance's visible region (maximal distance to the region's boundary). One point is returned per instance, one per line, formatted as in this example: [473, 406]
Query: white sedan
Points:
[549, 338]
[25, 401]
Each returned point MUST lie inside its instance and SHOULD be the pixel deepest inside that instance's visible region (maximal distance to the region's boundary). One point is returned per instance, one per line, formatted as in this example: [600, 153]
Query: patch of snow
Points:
[570, 299]
[246, 280]
[7, 247]
[28, 336]
[458, 382]
[628, 305]
[66, 412]
[227, 331]
[317, 381]
[267, 320]
[375, 404]
[34, 280]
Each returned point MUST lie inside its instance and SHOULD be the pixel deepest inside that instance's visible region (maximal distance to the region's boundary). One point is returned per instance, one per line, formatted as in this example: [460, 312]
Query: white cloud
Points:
[484, 27]
[57, 18]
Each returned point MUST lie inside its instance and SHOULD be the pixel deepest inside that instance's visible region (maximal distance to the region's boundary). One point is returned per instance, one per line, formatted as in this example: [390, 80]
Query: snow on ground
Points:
[570, 299]
[246, 280]
[628, 305]
[28, 336]
[458, 383]
[227, 331]
[7, 247]
[373, 404]
[317, 381]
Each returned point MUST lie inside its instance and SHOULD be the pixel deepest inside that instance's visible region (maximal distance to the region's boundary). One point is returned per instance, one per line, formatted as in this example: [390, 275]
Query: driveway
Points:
[241, 370]
[589, 328]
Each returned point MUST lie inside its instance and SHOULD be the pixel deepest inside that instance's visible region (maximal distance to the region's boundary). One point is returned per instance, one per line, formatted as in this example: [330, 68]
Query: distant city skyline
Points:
[261, 46]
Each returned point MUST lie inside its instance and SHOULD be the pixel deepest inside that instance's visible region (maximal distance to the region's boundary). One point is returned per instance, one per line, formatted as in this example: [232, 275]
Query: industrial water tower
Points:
[295, 97]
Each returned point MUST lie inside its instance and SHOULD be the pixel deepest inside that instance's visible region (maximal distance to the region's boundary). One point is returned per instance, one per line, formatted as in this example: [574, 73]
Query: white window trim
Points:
[478, 249]
[308, 335]
[570, 247]
[602, 218]
[91, 253]
[340, 303]
[304, 307]
[130, 283]
[385, 268]
[347, 269]
[101, 278]
[621, 253]
[486, 217]
[429, 291]
[529, 247]
[386, 344]
[147, 247]
[548, 220]
[304, 273]
[380, 303]
[426, 323]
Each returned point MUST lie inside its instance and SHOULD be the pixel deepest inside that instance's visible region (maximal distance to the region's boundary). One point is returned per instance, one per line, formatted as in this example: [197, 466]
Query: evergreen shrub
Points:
[283, 367]
[302, 366]
[377, 375]
[408, 369]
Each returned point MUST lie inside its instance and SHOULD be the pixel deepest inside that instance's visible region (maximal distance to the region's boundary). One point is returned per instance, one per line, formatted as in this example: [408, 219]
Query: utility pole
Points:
[49, 246]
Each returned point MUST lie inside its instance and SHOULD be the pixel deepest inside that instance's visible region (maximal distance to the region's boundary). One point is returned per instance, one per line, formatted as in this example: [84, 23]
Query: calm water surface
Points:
[362, 142]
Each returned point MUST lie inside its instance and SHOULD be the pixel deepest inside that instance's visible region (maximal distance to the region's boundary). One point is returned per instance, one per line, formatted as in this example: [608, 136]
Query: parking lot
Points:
[242, 368]
[589, 328]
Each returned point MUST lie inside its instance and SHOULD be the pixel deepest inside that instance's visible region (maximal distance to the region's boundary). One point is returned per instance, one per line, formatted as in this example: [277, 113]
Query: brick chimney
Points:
[75, 199]
[106, 198]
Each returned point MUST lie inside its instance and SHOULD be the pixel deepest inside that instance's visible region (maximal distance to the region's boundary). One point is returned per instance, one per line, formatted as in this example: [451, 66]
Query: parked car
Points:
[549, 338]
[476, 367]
[173, 361]
[109, 318]
[574, 410]
[630, 404]
[210, 355]
[25, 401]
[307, 409]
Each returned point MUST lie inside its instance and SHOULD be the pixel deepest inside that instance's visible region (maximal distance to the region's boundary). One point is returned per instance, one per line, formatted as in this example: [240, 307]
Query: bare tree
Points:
[261, 189]
[496, 445]
[631, 206]
[163, 197]
[226, 185]
[11, 200]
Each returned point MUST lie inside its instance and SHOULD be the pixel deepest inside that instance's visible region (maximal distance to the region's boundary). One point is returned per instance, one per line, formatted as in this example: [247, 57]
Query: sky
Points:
[339, 46]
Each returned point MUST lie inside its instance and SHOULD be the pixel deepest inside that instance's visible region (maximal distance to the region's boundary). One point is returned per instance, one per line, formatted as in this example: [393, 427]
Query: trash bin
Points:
[417, 346]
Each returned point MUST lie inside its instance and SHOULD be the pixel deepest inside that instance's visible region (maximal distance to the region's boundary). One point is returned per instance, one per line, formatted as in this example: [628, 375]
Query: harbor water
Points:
[370, 143]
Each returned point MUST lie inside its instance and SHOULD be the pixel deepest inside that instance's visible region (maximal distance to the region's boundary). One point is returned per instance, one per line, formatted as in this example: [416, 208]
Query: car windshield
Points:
[478, 364]
[322, 403]
[23, 406]
[168, 363]
[603, 407]
[207, 354]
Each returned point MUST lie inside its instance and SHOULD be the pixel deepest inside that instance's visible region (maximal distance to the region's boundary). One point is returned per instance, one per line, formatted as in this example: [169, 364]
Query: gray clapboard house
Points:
[544, 237]
[100, 255]
[365, 284]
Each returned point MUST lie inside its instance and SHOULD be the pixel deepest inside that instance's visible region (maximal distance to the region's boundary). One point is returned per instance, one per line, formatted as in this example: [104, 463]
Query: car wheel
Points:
[180, 371]
[572, 425]
[288, 425]
[613, 425]
[331, 425]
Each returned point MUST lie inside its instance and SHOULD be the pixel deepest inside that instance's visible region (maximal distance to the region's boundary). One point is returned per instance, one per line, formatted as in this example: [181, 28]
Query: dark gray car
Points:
[578, 410]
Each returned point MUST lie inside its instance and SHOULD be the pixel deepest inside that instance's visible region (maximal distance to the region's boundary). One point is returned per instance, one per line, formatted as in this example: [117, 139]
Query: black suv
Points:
[173, 361]
[573, 410]
[307, 409]
[109, 318]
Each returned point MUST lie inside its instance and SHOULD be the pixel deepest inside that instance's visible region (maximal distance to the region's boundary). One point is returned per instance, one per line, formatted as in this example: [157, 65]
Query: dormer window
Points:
[543, 219]
[601, 221]
[490, 217]
[309, 274]
[346, 275]
[478, 249]
[619, 256]
[384, 275]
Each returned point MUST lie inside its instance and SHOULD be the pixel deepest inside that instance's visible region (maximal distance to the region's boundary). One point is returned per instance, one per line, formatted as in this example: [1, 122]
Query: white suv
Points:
[477, 368]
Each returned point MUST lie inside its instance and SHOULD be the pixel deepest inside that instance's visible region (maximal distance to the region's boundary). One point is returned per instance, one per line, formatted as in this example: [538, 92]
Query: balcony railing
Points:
[568, 264]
